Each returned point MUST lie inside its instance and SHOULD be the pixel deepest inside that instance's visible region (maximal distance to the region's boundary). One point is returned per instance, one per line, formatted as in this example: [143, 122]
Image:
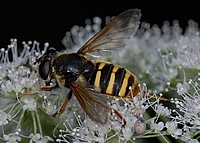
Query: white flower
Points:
[4, 118]
[162, 110]
[173, 129]
[30, 104]
[157, 126]
[12, 138]
[49, 107]
[37, 138]
[139, 128]
[189, 112]
[182, 88]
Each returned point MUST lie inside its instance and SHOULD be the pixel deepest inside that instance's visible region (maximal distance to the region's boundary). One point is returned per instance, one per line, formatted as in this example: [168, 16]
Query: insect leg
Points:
[157, 97]
[64, 104]
[45, 88]
[120, 116]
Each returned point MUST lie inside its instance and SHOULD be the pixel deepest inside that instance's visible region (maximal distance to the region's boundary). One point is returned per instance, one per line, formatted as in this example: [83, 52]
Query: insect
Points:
[90, 80]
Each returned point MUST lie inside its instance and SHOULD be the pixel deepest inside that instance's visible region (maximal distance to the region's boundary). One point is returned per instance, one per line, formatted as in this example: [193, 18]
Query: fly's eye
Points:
[44, 68]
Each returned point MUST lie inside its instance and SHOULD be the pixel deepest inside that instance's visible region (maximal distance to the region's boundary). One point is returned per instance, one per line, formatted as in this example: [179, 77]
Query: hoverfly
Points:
[90, 80]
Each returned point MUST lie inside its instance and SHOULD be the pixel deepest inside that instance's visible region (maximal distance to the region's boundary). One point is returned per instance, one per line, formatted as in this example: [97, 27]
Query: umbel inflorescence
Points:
[165, 59]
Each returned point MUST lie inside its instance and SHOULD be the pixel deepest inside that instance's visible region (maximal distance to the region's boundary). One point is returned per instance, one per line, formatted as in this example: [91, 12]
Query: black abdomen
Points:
[113, 80]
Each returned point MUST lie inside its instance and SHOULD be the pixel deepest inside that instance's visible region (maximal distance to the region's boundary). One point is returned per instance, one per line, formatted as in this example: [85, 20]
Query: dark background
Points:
[47, 21]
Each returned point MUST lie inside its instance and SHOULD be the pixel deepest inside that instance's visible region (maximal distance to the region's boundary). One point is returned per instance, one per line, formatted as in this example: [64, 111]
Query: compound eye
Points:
[44, 68]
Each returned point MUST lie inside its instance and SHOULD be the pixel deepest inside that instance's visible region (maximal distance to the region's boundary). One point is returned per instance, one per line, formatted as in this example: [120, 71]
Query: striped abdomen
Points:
[113, 80]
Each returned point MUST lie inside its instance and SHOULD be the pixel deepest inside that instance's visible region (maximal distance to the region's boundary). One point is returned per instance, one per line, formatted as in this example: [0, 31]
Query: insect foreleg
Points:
[45, 88]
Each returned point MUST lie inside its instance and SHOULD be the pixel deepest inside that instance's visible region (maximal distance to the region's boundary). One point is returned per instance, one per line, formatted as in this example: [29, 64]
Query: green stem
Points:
[34, 123]
[197, 134]
[7, 107]
[20, 120]
[15, 111]
[164, 139]
[39, 123]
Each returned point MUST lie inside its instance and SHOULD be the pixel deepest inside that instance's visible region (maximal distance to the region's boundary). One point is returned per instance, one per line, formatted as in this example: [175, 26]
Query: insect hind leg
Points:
[151, 95]
[64, 104]
[119, 115]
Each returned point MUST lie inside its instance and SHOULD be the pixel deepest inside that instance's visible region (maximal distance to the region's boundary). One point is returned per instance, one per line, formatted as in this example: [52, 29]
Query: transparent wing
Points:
[93, 103]
[114, 36]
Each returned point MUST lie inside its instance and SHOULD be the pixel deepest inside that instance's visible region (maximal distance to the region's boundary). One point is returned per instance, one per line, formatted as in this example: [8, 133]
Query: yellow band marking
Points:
[97, 80]
[115, 69]
[124, 85]
[109, 89]
[101, 65]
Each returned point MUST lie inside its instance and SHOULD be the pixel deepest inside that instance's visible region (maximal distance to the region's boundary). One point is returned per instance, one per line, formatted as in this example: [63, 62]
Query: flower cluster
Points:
[137, 122]
[21, 119]
[165, 59]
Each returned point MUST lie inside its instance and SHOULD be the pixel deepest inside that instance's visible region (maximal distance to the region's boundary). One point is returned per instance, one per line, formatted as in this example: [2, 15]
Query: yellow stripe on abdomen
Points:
[101, 65]
[122, 91]
[115, 69]
[110, 86]
[97, 80]
[109, 89]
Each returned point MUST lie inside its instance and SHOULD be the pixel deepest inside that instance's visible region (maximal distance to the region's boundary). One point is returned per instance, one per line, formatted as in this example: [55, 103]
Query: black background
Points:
[47, 21]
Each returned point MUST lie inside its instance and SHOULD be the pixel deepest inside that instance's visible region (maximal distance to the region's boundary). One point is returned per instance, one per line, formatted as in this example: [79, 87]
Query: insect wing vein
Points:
[93, 103]
[114, 36]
